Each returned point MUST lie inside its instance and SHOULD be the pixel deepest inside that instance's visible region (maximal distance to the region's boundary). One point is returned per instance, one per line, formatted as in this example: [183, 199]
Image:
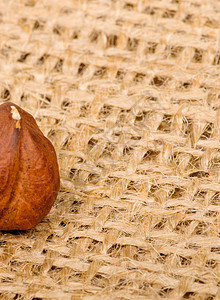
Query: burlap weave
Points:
[128, 92]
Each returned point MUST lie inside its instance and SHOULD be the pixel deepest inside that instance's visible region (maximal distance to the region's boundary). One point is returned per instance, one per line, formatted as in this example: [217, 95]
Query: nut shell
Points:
[29, 173]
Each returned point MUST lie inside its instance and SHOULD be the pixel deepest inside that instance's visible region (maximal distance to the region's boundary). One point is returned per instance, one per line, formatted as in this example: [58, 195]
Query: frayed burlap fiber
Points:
[128, 92]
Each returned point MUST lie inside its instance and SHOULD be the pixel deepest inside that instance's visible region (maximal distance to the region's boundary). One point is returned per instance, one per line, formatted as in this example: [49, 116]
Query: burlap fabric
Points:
[128, 92]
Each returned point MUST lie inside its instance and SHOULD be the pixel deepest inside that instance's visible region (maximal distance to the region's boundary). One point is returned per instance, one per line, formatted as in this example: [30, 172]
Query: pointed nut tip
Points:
[15, 113]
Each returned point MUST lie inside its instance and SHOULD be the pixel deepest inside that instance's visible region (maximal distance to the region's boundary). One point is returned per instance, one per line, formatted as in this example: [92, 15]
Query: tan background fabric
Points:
[129, 94]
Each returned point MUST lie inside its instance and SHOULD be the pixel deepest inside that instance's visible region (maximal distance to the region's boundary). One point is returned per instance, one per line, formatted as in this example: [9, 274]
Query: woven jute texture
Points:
[128, 92]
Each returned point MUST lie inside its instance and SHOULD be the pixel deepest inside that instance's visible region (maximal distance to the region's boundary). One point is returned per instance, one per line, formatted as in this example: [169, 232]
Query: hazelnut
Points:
[29, 173]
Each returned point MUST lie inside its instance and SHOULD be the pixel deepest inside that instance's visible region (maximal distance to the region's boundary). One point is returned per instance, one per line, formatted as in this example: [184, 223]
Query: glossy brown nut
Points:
[29, 174]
